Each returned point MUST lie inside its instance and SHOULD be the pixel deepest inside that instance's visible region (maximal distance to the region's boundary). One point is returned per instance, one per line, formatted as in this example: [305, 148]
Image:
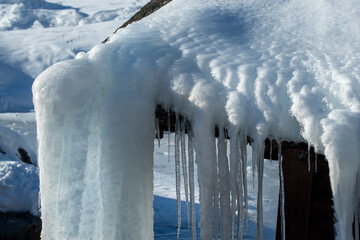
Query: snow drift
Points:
[19, 181]
[284, 70]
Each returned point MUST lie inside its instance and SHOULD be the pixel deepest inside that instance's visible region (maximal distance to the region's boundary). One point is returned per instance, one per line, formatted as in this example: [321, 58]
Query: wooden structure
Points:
[309, 210]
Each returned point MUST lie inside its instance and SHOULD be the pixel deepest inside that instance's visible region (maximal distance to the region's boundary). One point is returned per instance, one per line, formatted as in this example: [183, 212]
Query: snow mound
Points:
[37, 14]
[22, 14]
[10, 143]
[284, 70]
[19, 184]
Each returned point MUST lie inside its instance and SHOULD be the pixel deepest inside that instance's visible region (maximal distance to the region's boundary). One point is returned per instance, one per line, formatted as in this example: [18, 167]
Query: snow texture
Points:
[19, 187]
[287, 70]
[19, 182]
[10, 142]
[36, 34]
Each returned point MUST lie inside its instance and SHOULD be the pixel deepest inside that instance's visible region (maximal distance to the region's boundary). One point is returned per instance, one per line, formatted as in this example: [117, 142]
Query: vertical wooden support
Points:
[297, 187]
[308, 199]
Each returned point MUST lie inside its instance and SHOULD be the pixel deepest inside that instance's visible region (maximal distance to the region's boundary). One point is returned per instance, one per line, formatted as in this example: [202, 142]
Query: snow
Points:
[19, 181]
[10, 142]
[19, 184]
[285, 70]
[36, 34]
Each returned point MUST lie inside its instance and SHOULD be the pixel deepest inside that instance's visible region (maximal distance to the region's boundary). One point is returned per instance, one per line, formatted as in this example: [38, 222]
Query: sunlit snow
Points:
[288, 70]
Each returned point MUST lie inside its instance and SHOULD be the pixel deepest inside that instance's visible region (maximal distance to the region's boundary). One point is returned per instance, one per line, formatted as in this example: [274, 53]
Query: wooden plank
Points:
[297, 187]
[321, 225]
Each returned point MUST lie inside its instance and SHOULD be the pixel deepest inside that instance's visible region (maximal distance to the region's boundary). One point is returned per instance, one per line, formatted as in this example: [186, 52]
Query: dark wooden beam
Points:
[145, 11]
[309, 210]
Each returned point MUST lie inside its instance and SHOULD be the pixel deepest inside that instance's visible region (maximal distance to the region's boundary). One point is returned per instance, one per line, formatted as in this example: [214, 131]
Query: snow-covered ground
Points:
[36, 34]
[165, 216]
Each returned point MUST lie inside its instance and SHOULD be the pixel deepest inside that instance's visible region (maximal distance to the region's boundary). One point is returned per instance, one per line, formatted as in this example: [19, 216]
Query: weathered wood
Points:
[308, 199]
[145, 11]
[298, 188]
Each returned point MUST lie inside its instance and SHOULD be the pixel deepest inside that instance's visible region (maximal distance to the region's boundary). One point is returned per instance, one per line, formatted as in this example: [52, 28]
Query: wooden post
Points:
[308, 199]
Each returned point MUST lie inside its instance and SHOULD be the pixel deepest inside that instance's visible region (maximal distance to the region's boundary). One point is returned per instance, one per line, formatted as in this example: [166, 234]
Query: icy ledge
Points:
[259, 69]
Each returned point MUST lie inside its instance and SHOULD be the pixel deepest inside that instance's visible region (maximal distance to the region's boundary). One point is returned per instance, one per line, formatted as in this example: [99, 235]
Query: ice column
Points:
[258, 158]
[234, 157]
[192, 184]
[224, 187]
[96, 164]
[184, 169]
[206, 162]
[177, 173]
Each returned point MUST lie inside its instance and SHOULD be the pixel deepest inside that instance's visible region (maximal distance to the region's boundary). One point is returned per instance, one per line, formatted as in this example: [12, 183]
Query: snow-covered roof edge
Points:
[266, 69]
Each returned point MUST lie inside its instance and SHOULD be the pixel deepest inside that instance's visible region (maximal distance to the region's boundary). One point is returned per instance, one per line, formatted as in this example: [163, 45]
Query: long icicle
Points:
[216, 203]
[224, 177]
[184, 168]
[356, 224]
[177, 172]
[169, 129]
[192, 184]
[253, 167]
[260, 161]
[282, 192]
[234, 152]
[240, 194]
[243, 142]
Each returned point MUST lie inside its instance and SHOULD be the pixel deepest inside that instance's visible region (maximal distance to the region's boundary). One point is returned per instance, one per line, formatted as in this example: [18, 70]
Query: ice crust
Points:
[286, 70]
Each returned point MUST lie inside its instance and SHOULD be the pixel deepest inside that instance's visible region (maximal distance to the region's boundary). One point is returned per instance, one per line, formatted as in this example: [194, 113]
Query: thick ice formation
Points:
[288, 70]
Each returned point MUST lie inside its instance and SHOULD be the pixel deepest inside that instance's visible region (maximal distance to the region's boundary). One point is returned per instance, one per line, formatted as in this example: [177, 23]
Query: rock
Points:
[19, 226]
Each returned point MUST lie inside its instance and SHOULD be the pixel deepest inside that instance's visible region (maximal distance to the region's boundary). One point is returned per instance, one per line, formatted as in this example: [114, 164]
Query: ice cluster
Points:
[285, 70]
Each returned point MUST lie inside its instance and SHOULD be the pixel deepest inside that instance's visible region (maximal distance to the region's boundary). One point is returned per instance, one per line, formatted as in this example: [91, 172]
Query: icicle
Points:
[240, 194]
[240, 215]
[234, 155]
[357, 224]
[192, 185]
[216, 204]
[184, 168]
[260, 161]
[169, 129]
[282, 193]
[177, 172]
[243, 142]
[224, 182]
[308, 158]
[157, 125]
[253, 167]
[316, 156]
